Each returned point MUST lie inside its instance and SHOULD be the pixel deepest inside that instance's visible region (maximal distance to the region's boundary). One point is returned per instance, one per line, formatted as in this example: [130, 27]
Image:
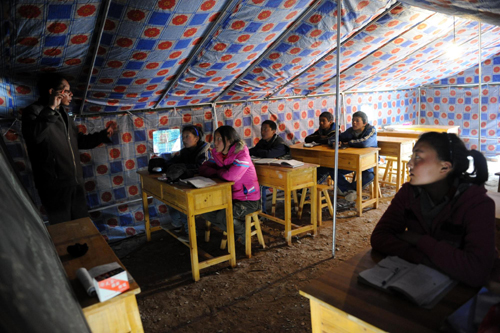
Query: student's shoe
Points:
[351, 196]
[342, 193]
[182, 235]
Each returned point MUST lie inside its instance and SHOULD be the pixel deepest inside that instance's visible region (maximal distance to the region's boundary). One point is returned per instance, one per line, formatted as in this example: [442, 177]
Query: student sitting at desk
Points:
[443, 216]
[230, 160]
[325, 131]
[270, 146]
[189, 159]
[360, 135]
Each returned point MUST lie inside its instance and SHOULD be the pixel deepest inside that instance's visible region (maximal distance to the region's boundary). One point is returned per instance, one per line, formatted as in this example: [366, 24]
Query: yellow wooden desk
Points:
[288, 180]
[192, 201]
[414, 131]
[353, 159]
[396, 147]
[340, 304]
[118, 314]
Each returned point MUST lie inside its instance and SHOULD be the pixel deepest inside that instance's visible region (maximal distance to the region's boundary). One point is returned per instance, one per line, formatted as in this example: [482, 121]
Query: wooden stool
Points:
[323, 201]
[294, 196]
[251, 220]
[391, 170]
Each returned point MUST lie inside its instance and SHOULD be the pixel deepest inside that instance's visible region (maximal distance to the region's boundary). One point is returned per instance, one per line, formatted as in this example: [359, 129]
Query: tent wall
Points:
[455, 101]
[110, 170]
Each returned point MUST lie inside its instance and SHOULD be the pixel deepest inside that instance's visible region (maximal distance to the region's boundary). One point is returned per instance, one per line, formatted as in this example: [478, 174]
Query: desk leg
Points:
[193, 246]
[230, 229]
[146, 215]
[288, 216]
[400, 165]
[314, 208]
[359, 191]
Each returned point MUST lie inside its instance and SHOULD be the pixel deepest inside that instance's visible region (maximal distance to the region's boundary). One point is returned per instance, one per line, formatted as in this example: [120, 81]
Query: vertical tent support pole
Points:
[337, 114]
[419, 92]
[480, 82]
[214, 109]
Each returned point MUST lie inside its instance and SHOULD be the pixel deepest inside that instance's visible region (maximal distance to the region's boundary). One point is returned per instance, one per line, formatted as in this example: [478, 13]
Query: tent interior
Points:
[162, 64]
[151, 65]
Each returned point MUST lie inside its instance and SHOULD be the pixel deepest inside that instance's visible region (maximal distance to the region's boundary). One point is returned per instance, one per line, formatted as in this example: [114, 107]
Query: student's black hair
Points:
[195, 130]
[327, 115]
[228, 133]
[451, 149]
[271, 124]
[362, 115]
[48, 81]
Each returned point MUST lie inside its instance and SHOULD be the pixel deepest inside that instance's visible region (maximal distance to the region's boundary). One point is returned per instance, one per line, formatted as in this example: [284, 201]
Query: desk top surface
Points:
[394, 139]
[339, 288]
[99, 253]
[283, 168]
[325, 149]
[182, 186]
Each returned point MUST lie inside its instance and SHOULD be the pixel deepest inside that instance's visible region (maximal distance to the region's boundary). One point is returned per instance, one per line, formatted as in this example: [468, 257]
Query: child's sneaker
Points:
[351, 196]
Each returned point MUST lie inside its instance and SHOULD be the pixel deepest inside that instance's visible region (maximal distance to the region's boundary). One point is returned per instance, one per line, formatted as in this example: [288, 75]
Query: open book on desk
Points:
[421, 284]
[199, 181]
[278, 162]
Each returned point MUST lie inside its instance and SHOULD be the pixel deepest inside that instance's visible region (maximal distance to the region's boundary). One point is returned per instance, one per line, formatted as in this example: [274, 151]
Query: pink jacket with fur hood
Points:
[237, 167]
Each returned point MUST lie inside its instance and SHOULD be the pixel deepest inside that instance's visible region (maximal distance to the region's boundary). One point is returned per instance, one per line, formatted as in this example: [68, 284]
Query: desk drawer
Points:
[152, 186]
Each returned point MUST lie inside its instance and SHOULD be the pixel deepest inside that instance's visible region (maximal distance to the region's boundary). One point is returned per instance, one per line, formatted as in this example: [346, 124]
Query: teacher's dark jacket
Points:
[53, 140]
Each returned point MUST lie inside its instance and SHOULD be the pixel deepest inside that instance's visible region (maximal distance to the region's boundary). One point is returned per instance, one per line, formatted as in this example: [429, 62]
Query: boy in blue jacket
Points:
[360, 135]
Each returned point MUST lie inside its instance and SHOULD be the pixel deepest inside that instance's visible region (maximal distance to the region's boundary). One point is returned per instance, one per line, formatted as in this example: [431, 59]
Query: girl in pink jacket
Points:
[230, 160]
[443, 217]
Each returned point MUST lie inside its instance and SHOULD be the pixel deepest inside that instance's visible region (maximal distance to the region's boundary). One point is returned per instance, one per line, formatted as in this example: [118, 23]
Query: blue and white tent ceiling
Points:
[167, 53]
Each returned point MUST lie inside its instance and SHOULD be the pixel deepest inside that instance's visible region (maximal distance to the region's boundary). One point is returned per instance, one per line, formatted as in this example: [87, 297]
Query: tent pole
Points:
[418, 106]
[480, 82]
[94, 56]
[214, 111]
[337, 113]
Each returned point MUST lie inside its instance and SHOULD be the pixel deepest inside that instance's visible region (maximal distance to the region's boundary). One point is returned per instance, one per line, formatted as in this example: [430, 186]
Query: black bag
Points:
[155, 163]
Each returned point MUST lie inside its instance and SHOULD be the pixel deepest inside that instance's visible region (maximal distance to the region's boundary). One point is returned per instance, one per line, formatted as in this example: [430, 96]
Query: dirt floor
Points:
[259, 294]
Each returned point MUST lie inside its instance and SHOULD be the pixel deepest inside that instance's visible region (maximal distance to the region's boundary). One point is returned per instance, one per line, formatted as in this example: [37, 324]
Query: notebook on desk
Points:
[278, 162]
[420, 284]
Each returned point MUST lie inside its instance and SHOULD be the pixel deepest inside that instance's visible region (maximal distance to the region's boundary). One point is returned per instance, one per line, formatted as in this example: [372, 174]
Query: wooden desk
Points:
[340, 304]
[396, 147]
[192, 201]
[118, 314]
[288, 180]
[353, 159]
[414, 131]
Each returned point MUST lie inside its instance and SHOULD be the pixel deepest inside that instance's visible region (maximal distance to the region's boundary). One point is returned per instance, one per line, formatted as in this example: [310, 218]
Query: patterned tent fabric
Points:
[207, 62]
[487, 11]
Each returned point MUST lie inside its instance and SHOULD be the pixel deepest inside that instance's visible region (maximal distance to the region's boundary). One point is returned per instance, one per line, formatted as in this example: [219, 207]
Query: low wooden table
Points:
[353, 159]
[396, 147]
[118, 314]
[340, 304]
[288, 180]
[192, 201]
